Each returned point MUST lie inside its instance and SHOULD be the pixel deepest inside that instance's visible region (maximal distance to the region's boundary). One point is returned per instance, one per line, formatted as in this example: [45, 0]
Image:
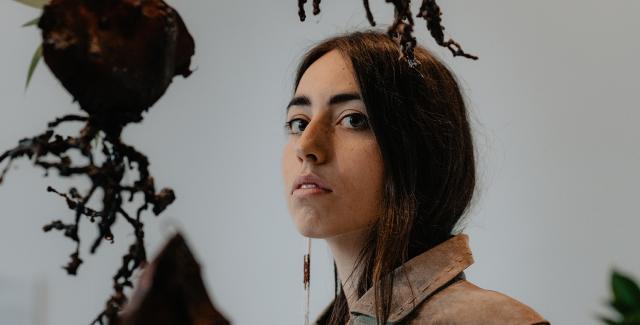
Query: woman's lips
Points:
[309, 184]
[309, 191]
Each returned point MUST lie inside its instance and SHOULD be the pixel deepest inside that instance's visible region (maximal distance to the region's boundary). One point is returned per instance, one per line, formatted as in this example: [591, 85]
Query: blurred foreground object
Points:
[115, 57]
[626, 300]
[171, 292]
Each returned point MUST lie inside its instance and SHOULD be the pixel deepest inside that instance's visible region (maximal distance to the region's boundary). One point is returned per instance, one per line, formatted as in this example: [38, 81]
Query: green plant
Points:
[626, 300]
[37, 55]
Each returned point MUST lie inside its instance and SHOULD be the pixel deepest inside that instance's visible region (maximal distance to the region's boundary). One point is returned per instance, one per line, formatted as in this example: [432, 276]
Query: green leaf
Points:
[32, 22]
[34, 63]
[620, 307]
[609, 321]
[34, 3]
[626, 292]
[633, 319]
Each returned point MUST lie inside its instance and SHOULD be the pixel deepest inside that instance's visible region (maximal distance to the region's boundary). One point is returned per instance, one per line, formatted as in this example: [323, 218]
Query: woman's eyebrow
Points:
[341, 98]
[299, 101]
[335, 99]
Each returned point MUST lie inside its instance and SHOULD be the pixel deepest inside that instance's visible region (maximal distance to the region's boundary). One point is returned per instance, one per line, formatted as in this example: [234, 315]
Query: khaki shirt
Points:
[431, 289]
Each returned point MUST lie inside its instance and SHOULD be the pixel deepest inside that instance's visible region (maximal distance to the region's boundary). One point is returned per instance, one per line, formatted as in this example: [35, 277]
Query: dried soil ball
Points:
[115, 57]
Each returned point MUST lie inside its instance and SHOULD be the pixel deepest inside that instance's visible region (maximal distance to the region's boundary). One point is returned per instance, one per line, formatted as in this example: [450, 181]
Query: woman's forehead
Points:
[330, 74]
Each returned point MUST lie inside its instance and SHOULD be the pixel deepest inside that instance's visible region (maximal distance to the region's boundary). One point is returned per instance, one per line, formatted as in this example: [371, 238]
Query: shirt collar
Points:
[419, 278]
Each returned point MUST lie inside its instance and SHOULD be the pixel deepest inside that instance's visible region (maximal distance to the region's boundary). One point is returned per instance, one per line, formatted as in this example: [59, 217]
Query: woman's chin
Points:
[310, 227]
[311, 231]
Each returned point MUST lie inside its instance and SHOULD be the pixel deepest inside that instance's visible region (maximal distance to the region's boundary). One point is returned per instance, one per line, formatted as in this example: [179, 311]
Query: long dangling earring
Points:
[307, 278]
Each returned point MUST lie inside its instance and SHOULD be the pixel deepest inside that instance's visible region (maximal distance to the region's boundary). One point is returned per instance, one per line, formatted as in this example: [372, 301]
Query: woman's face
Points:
[330, 140]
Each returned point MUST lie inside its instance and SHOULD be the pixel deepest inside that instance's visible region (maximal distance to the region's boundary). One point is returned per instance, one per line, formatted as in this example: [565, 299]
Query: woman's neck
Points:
[345, 249]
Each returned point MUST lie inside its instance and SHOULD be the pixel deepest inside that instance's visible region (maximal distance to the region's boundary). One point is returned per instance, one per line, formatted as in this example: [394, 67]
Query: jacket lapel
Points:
[418, 279]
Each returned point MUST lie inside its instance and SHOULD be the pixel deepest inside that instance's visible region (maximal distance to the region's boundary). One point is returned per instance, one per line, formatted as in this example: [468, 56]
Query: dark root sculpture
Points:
[401, 30]
[116, 58]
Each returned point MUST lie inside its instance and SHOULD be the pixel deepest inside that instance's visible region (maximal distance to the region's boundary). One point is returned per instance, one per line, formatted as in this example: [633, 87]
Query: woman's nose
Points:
[313, 144]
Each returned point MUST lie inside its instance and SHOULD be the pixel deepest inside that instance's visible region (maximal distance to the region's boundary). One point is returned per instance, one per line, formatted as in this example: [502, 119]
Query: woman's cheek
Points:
[288, 168]
[373, 180]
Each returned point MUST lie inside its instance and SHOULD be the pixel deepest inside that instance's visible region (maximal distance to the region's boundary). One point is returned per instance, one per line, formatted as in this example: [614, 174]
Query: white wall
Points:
[554, 102]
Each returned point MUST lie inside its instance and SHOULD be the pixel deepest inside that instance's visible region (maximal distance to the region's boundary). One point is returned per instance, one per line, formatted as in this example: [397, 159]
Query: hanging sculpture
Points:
[116, 58]
[401, 30]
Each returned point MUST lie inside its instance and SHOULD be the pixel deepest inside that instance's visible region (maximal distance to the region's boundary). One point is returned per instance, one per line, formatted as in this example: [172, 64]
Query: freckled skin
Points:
[346, 158]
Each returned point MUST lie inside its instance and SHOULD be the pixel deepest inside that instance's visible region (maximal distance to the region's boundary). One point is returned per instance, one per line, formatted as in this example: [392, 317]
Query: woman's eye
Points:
[296, 126]
[356, 121]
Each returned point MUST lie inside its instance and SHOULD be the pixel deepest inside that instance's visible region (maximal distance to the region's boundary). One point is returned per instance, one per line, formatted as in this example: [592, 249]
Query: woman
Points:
[380, 164]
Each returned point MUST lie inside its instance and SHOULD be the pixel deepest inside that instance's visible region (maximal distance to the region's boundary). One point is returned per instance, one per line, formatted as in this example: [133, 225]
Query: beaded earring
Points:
[306, 280]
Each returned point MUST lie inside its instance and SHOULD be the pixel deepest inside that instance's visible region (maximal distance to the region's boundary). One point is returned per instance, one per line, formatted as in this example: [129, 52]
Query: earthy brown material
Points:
[401, 30]
[116, 57]
[431, 289]
[171, 292]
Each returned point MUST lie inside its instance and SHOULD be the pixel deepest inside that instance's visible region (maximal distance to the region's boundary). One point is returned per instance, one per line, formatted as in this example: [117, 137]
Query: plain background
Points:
[553, 101]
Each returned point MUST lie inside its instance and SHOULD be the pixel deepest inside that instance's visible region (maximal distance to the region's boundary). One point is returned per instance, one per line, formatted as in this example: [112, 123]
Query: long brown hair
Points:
[420, 122]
